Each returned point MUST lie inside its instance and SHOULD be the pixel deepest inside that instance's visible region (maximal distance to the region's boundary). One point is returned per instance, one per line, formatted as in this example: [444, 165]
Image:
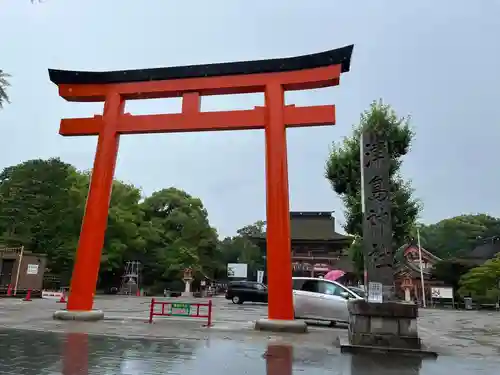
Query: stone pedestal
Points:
[83, 316]
[187, 288]
[388, 324]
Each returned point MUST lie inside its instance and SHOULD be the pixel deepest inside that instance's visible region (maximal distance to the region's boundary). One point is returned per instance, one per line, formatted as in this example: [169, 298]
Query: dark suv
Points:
[246, 291]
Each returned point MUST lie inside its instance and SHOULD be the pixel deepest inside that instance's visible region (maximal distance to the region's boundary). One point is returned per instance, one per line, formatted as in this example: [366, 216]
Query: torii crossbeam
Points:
[272, 77]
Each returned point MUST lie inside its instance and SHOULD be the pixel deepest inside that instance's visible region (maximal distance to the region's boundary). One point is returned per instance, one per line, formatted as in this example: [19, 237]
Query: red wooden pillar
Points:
[88, 254]
[279, 360]
[75, 354]
[279, 257]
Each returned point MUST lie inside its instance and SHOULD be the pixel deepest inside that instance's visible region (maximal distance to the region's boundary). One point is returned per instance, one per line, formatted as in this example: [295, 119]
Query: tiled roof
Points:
[307, 225]
[485, 251]
[314, 226]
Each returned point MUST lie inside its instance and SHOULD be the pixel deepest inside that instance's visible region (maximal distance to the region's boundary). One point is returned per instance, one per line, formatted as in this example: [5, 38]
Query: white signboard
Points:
[32, 269]
[52, 295]
[237, 270]
[442, 293]
[375, 292]
[260, 276]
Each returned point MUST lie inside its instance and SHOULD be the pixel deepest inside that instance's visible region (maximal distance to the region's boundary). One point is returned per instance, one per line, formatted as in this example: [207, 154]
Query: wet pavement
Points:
[450, 332]
[32, 343]
[44, 353]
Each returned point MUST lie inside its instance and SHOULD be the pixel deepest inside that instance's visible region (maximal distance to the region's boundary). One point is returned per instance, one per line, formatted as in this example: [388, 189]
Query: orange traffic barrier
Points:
[63, 299]
[28, 296]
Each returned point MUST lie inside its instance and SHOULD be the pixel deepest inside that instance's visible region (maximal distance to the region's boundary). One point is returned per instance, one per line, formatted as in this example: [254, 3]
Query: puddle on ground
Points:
[31, 352]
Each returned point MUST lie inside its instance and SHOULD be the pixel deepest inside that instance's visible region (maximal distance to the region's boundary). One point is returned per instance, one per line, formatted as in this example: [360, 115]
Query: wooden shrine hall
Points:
[316, 247]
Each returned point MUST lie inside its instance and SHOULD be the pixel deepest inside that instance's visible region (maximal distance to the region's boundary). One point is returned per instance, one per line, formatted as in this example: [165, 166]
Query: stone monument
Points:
[188, 279]
[380, 322]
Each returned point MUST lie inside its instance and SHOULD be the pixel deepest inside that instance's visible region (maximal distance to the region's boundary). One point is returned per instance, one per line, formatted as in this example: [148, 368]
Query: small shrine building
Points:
[407, 273]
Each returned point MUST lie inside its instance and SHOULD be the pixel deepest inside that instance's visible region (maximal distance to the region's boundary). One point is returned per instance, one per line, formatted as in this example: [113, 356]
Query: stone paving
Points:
[468, 342]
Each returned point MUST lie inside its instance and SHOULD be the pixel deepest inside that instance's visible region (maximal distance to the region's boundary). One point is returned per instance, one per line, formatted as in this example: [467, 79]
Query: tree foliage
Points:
[459, 235]
[242, 248]
[42, 203]
[41, 207]
[4, 83]
[482, 283]
[178, 235]
[343, 171]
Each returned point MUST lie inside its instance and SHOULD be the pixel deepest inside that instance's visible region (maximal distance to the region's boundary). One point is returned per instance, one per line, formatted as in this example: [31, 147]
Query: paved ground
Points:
[44, 353]
[469, 342]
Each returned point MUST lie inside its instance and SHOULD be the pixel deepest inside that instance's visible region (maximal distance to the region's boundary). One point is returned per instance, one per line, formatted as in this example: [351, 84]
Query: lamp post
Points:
[421, 267]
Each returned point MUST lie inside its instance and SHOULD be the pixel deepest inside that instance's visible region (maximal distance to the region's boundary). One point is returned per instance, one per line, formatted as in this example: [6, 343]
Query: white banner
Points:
[375, 292]
[260, 276]
[237, 270]
[51, 295]
[442, 293]
[32, 269]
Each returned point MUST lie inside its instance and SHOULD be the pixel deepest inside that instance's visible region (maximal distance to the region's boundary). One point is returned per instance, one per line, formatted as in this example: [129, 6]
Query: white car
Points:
[320, 299]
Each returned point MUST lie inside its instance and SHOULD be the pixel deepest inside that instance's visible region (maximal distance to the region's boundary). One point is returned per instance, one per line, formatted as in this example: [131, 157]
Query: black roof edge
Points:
[337, 56]
[311, 213]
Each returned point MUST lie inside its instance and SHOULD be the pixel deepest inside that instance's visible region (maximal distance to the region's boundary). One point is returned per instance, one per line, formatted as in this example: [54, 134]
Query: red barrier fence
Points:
[182, 309]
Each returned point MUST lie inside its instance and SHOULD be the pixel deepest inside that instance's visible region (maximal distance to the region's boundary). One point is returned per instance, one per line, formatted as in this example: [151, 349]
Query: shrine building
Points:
[407, 273]
[316, 247]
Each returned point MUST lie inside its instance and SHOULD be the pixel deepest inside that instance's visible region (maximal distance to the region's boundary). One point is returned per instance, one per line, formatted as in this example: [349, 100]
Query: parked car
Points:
[320, 299]
[357, 290]
[246, 291]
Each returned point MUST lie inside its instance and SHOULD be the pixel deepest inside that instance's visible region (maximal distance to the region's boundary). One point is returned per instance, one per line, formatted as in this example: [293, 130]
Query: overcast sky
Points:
[436, 60]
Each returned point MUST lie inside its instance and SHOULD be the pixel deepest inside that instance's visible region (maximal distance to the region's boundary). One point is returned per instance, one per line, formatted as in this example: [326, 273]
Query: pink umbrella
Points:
[334, 275]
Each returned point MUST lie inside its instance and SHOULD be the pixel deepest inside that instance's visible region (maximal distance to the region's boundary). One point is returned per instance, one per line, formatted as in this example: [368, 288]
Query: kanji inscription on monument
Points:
[377, 225]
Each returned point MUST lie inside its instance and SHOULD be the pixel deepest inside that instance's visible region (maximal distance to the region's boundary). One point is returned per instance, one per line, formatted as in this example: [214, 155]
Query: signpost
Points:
[442, 293]
[238, 270]
[375, 292]
[32, 269]
[180, 309]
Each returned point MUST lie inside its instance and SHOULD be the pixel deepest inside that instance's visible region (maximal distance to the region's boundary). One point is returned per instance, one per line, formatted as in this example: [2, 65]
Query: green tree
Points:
[481, 283]
[459, 235]
[256, 229]
[4, 83]
[123, 241]
[242, 249]
[343, 171]
[41, 207]
[177, 235]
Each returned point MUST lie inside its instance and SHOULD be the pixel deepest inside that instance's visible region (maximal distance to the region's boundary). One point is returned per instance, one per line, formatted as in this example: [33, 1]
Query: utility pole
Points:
[20, 260]
[421, 267]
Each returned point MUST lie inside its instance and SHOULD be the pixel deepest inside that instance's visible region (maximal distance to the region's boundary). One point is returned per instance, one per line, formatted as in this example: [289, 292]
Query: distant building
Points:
[316, 247]
[31, 269]
[407, 272]
[483, 252]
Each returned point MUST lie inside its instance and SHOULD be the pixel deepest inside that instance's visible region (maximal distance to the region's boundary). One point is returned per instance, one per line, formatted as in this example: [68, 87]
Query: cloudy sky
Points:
[436, 60]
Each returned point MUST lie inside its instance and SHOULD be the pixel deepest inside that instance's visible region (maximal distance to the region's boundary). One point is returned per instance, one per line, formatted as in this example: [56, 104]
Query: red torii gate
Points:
[272, 77]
